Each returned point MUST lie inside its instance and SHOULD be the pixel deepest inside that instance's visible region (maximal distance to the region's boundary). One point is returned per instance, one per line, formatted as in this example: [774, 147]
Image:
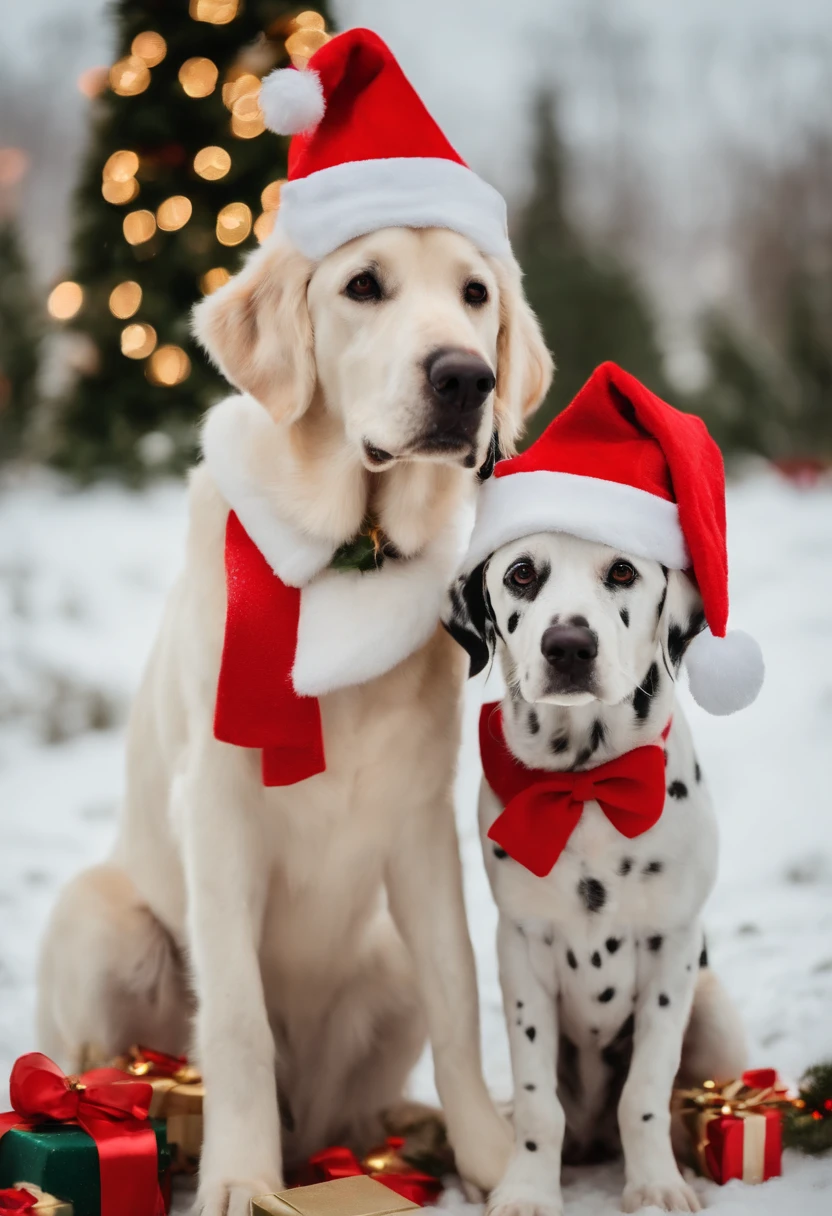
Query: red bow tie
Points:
[542, 809]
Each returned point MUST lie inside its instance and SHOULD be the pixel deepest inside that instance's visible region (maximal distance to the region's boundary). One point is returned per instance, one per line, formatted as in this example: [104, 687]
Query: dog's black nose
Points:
[569, 648]
[460, 380]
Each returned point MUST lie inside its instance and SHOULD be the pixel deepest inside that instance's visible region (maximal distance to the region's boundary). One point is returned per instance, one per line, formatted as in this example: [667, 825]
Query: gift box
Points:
[735, 1130]
[25, 1197]
[87, 1140]
[356, 1196]
[178, 1098]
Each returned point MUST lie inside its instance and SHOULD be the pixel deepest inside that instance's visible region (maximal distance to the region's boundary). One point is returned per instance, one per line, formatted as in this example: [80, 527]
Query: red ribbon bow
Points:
[542, 809]
[109, 1106]
[257, 705]
[341, 1162]
[14, 1200]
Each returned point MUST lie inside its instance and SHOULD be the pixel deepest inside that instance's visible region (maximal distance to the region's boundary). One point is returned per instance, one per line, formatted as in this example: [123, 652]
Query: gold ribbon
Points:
[699, 1107]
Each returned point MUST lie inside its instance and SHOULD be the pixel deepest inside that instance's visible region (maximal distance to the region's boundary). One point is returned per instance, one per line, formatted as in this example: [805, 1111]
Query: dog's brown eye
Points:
[475, 293]
[364, 287]
[521, 574]
[621, 574]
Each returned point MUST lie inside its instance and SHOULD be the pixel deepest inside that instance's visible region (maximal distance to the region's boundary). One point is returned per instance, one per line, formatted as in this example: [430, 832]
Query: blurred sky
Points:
[674, 94]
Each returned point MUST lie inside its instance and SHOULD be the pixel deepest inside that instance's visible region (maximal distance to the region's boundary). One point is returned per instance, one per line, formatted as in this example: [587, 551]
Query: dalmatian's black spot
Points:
[519, 1004]
[596, 737]
[664, 999]
[593, 894]
[662, 598]
[513, 621]
[677, 789]
[678, 636]
[697, 771]
[625, 616]
[606, 996]
[646, 1118]
[654, 943]
[612, 943]
[644, 694]
[595, 1030]
[531, 1146]
[596, 959]
[530, 1033]
[625, 866]
[560, 744]
[531, 1088]
[498, 852]
[703, 957]
[519, 1022]
[653, 867]
[548, 939]
[534, 722]
[571, 960]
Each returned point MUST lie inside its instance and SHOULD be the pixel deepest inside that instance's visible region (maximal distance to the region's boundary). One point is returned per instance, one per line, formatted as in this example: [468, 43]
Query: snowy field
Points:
[82, 581]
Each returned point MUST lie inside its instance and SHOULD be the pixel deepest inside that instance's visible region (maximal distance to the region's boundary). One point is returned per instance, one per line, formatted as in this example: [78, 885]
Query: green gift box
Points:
[62, 1159]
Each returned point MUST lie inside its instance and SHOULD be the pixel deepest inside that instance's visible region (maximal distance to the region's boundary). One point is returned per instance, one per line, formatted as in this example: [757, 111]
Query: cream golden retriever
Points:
[299, 939]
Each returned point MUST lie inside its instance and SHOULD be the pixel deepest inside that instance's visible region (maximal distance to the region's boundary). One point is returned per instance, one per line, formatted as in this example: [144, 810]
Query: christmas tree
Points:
[20, 334]
[590, 307]
[179, 182]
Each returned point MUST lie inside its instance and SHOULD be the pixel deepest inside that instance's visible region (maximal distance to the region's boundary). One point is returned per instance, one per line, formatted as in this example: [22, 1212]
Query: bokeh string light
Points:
[169, 364]
[198, 76]
[212, 163]
[125, 299]
[213, 279]
[216, 12]
[174, 213]
[129, 76]
[137, 340]
[233, 224]
[138, 226]
[149, 46]
[65, 300]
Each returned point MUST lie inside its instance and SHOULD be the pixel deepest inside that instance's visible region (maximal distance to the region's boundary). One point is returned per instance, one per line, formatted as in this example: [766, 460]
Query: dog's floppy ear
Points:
[682, 617]
[524, 364]
[467, 619]
[257, 330]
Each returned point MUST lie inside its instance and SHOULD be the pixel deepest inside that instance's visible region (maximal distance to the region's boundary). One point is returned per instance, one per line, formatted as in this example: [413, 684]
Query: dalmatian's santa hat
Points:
[366, 154]
[622, 467]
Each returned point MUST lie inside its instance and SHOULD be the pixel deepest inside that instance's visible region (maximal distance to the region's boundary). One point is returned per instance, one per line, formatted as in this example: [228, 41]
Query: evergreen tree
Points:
[590, 307]
[20, 334]
[171, 194]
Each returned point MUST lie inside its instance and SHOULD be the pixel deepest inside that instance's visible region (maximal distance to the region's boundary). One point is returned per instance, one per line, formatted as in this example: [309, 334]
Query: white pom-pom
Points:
[292, 100]
[725, 674]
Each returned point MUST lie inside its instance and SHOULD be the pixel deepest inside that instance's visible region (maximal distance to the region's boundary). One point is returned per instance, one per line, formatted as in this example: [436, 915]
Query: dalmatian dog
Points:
[604, 969]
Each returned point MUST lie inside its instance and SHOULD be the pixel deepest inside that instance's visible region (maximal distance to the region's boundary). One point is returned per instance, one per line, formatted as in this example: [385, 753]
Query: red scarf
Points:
[257, 705]
[543, 809]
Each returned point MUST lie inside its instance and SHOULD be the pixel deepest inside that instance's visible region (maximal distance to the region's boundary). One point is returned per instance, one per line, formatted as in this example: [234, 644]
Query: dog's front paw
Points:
[232, 1196]
[482, 1153]
[519, 1200]
[674, 1196]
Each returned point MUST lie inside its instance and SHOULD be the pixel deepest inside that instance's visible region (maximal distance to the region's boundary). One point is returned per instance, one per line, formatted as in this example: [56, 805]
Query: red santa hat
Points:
[366, 154]
[622, 467]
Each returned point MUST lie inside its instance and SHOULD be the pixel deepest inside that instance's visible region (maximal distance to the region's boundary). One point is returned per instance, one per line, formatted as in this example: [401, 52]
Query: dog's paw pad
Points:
[231, 1197]
[667, 1197]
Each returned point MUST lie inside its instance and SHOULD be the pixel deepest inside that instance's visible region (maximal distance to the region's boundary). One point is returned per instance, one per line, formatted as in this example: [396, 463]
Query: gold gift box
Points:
[359, 1196]
[180, 1104]
[47, 1205]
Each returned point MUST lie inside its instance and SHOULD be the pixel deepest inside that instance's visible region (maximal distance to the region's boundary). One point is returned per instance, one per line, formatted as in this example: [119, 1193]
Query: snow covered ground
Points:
[82, 581]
